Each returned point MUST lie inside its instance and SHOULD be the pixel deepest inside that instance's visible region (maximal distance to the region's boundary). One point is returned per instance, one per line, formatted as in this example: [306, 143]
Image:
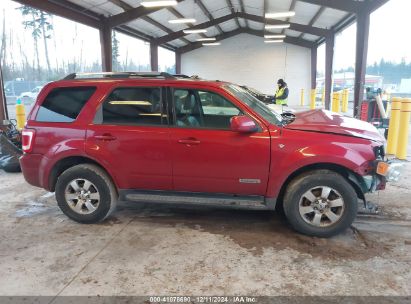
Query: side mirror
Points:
[243, 124]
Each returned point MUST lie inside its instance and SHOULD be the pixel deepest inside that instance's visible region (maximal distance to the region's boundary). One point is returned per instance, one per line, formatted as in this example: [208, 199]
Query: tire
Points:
[86, 194]
[311, 211]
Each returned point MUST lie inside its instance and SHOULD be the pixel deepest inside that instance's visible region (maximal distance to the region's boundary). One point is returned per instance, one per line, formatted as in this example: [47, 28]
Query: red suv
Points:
[95, 139]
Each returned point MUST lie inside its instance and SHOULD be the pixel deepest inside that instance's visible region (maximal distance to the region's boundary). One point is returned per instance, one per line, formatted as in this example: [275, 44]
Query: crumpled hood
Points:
[329, 122]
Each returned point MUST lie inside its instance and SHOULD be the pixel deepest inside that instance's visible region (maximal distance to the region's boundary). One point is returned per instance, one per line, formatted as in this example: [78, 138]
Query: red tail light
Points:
[27, 140]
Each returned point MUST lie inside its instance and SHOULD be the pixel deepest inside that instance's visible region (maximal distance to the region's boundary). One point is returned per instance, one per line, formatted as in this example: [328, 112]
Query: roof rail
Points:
[181, 76]
[184, 76]
[118, 75]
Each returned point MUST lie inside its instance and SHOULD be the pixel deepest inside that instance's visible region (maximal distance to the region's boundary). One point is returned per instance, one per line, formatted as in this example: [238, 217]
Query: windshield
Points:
[267, 113]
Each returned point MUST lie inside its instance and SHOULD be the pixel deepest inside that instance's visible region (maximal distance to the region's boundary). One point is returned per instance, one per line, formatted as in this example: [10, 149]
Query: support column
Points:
[106, 47]
[314, 67]
[3, 104]
[329, 65]
[154, 56]
[361, 51]
[178, 62]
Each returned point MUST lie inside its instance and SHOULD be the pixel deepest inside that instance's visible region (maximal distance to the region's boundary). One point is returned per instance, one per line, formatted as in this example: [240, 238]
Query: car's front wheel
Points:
[320, 203]
[86, 194]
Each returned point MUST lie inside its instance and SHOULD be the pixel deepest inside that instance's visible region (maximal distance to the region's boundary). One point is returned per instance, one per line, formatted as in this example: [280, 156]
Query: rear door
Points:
[207, 155]
[130, 134]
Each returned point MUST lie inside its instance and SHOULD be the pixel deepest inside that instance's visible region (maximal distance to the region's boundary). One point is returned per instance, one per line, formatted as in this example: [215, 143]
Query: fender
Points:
[284, 163]
[66, 149]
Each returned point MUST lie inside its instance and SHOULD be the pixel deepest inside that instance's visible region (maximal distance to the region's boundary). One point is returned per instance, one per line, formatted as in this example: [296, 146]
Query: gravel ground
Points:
[175, 250]
[163, 250]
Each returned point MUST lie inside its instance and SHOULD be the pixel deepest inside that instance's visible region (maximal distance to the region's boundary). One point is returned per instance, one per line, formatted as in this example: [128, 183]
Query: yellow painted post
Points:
[345, 101]
[404, 128]
[312, 100]
[394, 125]
[302, 97]
[323, 97]
[336, 102]
[20, 115]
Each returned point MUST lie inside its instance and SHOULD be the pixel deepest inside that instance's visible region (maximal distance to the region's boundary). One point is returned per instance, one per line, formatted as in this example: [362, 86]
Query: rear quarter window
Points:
[64, 104]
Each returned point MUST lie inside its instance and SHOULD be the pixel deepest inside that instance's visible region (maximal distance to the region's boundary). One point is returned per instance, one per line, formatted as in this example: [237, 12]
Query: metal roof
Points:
[313, 21]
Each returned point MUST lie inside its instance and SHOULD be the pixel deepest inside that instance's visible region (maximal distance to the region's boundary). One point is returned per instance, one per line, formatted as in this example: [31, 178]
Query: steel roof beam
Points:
[375, 4]
[206, 24]
[73, 12]
[226, 35]
[317, 31]
[288, 39]
[231, 7]
[196, 45]
[293, 26]
[315, 18]
[243, 10]
[176, 13]
[292, 7]
[126, 7]
[208, 14]
[345, 5]
[132, 14]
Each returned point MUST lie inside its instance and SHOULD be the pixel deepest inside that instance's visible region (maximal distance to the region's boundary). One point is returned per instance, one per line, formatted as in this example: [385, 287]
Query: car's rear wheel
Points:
[320, 203]
[86, 194]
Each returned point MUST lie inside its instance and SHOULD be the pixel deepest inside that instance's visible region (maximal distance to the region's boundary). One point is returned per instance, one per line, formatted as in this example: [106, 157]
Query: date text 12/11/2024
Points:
[202, 299]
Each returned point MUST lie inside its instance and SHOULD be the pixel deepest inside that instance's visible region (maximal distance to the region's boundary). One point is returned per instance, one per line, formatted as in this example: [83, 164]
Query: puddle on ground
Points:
[257, 230]
[30, 209]
[36, 206]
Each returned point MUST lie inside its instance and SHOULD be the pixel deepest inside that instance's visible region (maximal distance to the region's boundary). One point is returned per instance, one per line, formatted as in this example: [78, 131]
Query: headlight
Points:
[391, 171]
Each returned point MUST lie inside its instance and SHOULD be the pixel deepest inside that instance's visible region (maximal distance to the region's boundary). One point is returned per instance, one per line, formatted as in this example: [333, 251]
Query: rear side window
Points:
[134, 106]
[64, 104]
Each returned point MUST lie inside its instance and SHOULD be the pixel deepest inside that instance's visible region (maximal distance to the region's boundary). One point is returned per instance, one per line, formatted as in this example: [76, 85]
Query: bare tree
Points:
[3, 42]
[40, 27]
[46, 27]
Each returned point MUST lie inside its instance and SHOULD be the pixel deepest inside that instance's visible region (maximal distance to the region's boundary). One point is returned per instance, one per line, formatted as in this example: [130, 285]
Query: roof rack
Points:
[119, 75]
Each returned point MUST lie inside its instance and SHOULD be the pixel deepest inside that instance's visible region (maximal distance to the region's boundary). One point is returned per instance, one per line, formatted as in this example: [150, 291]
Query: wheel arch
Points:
[67, 162]
[348, 174]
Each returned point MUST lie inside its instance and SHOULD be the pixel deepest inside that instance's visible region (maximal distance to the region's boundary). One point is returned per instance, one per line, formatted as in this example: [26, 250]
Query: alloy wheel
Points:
[321, 206]
[82, 196]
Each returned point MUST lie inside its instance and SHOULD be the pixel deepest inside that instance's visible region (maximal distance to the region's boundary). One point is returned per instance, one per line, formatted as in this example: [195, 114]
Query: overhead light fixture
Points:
[273, 41]
[207, 39]
[276, 26]
[159, 3]
[182, 20]
[274, 36]
[279, 15]
[195, 31]
[211, 43]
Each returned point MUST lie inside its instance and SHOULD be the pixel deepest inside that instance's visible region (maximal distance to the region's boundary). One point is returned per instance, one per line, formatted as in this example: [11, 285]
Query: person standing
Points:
[281, 95]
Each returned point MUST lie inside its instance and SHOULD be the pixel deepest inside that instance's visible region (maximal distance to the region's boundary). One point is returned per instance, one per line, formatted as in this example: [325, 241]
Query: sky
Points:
[388, 39]
[69, 38]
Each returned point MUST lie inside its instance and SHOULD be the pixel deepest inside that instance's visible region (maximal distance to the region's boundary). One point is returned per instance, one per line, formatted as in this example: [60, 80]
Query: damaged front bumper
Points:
[385, 171]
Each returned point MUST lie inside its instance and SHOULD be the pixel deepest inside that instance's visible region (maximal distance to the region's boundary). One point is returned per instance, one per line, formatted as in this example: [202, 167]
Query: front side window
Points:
[262, 109]
[134, 106]
[202, 109]
[64, 104]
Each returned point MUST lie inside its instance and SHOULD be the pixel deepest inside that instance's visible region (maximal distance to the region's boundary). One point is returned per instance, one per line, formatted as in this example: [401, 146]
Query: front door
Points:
[130, 135]
[207, 155]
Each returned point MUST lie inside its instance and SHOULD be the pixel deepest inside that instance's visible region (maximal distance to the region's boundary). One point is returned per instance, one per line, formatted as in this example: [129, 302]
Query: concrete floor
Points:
[163, 250]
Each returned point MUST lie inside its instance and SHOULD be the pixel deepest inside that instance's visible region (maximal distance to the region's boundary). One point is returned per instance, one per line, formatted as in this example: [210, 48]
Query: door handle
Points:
[189, 141]
[105, 137]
